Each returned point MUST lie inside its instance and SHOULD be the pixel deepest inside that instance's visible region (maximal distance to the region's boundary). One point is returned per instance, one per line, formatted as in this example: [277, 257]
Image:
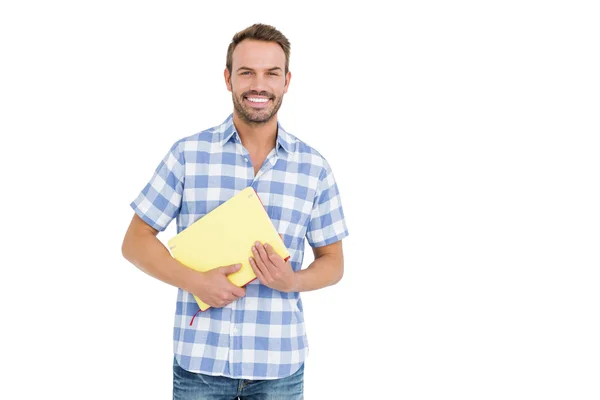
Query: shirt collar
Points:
[228, 132]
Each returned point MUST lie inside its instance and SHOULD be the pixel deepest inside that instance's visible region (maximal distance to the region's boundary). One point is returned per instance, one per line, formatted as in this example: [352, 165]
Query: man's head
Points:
[257, 72]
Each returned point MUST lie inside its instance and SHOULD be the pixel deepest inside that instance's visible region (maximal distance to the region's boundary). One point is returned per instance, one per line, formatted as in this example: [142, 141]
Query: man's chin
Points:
[258, 118]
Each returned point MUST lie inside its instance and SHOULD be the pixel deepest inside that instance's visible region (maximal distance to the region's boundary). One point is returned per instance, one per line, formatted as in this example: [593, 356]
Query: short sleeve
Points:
[160, 200]
[326, 224]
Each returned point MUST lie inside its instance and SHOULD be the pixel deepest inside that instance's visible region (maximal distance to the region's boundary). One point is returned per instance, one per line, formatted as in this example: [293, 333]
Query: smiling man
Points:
[251, 106]
[252, 342]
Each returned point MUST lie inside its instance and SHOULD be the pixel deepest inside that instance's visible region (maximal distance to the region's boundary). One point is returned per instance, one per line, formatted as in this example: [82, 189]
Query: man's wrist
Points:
[189, 279]
[295, 283]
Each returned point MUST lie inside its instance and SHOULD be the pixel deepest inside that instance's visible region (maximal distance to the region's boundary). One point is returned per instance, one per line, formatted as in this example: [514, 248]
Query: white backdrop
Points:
[464, 139]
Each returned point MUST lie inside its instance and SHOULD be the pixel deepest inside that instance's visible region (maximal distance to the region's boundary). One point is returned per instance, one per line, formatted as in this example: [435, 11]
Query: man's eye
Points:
[245, 73]
[273, 73]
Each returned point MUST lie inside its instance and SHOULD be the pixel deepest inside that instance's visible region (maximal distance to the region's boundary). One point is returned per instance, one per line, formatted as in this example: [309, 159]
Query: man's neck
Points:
[256, 137]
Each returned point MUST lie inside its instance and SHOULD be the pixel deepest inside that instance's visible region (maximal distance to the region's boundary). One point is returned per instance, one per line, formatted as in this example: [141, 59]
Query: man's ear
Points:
[227, 76]
[288, 78]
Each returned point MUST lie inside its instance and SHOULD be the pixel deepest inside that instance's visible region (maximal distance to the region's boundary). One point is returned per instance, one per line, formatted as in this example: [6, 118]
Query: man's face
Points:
[257, 81]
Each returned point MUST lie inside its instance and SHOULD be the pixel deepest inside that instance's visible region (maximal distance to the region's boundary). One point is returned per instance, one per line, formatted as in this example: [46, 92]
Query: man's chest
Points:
[286, 187]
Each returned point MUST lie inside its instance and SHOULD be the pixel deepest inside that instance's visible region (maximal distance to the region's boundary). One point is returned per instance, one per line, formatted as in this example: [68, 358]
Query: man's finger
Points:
[257, 272]
[273, 256]
[238, 291]
[260, 250]
[258, 260]
[229, 269]
[270, 266]
[269, 250]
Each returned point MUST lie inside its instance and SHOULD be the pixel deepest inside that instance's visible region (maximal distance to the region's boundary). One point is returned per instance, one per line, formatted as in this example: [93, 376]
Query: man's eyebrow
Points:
[250, 69]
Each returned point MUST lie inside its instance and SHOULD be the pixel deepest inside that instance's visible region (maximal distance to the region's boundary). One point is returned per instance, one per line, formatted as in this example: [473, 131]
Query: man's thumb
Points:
[230, 269]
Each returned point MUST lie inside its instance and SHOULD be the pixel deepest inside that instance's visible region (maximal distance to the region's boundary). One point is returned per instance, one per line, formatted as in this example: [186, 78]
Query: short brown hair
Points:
[265, 33]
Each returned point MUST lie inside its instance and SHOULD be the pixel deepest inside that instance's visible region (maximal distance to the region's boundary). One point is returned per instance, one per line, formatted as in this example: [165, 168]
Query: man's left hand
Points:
[272, 270]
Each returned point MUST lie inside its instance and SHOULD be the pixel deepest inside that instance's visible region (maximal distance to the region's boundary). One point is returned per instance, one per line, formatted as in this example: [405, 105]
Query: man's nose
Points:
[258, 83]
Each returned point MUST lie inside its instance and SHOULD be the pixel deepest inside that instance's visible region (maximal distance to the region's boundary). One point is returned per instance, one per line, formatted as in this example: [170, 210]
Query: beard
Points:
[253, 115]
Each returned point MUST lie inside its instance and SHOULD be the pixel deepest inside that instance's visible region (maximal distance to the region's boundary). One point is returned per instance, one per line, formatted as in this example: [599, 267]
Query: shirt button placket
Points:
[233, 333]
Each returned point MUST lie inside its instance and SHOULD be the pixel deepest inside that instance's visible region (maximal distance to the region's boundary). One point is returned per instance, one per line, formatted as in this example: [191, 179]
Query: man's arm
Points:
[142, 248]
[327, 269]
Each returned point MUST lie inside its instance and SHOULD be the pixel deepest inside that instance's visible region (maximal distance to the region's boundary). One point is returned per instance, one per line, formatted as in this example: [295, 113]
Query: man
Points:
[251, 343]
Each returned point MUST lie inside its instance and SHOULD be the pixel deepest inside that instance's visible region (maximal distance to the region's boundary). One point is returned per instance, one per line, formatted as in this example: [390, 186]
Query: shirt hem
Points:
[249, 377]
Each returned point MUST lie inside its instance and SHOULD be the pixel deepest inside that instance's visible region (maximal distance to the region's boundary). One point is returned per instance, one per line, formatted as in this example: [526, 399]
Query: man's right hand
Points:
[216, 290]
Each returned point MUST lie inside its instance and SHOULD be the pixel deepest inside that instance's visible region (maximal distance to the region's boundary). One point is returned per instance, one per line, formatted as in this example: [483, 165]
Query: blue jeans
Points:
[193, 386]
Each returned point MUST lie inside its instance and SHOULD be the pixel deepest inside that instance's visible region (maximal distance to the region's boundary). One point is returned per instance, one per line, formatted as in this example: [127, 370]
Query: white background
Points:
[464, 139]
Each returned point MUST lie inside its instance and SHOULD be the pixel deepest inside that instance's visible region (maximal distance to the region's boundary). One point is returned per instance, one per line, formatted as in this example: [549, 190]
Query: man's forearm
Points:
[149, 254]
[325, 271]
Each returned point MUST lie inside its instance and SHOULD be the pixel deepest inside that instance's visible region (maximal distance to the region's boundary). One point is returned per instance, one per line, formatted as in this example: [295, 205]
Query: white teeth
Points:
[255, 100]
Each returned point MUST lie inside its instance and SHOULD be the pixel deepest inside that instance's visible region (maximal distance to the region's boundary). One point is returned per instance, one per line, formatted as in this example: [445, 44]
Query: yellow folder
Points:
[225, 236]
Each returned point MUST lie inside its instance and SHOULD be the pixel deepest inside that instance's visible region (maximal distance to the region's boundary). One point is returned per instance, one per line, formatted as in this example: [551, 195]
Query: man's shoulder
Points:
[207, 136]
[307, 153]
[197, 141]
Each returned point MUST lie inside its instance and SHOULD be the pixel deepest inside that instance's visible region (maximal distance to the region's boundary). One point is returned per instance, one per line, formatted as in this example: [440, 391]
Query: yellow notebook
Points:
[225, 236]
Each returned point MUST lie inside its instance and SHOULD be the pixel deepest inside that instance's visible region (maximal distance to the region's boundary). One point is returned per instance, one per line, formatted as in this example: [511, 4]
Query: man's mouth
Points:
[257, 102]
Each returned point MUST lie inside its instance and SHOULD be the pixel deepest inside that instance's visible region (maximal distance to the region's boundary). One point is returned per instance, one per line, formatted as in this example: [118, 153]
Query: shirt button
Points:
[235, 330]
[245, 158]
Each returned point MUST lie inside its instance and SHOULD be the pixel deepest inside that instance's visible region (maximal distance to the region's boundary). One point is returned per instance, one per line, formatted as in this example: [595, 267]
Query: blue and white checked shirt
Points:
[261, 335]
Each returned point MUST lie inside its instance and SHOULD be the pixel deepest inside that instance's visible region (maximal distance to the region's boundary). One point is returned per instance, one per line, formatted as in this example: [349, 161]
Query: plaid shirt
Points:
[261, 335]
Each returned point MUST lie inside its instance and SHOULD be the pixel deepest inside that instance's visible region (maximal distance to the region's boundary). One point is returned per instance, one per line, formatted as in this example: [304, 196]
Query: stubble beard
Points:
[256, 116]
